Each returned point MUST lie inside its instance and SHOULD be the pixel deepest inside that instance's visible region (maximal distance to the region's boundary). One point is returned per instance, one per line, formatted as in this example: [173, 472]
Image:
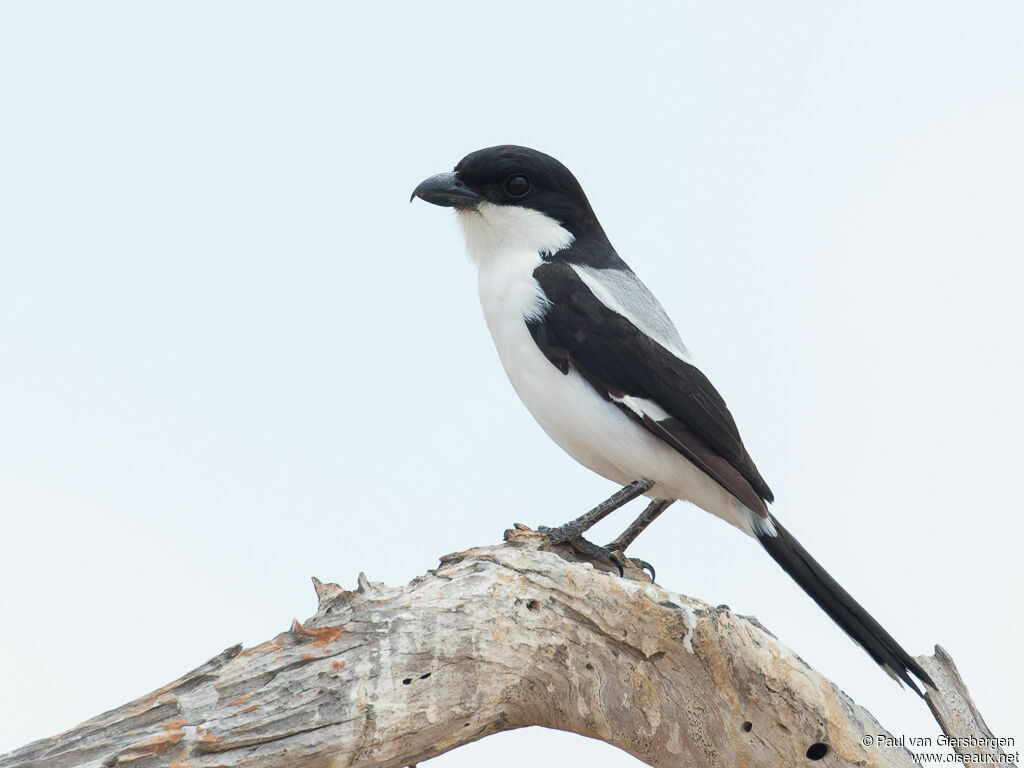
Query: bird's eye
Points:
[517, 186]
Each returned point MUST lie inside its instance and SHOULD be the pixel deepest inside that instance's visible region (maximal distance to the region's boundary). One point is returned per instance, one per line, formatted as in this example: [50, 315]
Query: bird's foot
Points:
[569, 534]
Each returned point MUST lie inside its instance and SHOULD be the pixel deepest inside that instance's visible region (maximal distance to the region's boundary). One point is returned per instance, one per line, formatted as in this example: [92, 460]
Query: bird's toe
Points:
[567, 534]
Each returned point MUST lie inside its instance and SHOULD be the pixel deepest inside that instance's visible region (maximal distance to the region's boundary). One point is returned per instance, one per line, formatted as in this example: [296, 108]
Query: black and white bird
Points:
[599, 364]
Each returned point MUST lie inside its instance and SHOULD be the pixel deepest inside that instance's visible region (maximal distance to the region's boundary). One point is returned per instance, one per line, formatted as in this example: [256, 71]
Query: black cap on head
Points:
[513, 175]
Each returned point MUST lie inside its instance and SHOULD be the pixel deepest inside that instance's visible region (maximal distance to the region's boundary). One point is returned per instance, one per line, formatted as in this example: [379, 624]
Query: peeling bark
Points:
[496, 638]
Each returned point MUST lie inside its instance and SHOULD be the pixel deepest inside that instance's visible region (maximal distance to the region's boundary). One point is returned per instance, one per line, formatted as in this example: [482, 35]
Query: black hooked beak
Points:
[448, 190]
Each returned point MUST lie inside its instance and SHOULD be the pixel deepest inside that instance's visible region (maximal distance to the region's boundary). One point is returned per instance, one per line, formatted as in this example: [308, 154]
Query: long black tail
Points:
[840, 605]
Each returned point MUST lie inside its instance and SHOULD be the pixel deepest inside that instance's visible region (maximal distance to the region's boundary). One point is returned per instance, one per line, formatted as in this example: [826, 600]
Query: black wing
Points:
[579, 331]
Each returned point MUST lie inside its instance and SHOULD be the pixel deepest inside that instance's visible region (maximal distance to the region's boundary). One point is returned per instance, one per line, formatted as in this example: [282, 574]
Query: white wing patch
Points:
[739, 515]
[641, 406]
[622, 292]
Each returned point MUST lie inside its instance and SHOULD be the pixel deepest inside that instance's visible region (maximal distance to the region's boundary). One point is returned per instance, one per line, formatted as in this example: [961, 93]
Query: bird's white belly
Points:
[589, 428]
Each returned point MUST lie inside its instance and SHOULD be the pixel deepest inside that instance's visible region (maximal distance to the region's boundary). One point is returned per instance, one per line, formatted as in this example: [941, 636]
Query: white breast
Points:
[566, 406]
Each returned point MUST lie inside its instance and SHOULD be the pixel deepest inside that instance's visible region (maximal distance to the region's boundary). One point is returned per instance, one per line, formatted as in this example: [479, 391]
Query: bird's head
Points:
[511, 196]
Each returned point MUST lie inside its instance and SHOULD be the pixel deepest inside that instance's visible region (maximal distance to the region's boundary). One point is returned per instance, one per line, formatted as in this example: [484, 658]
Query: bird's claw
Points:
[637, 563]
[643, 565]
[568, 535]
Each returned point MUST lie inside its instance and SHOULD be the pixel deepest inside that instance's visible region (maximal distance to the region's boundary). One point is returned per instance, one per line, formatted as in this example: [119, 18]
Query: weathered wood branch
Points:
[956, 713]
[496, 638]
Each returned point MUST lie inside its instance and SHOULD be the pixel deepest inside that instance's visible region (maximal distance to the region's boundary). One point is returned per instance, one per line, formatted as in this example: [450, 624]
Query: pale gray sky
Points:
[233, 356]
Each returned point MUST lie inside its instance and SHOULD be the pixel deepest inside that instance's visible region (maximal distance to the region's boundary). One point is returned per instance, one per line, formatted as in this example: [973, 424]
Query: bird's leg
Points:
[638, 526]
[628, 536]
[586, 521]
[572, 532]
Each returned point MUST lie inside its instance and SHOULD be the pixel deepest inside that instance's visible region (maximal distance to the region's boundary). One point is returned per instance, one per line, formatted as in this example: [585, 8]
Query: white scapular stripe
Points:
[622, 292]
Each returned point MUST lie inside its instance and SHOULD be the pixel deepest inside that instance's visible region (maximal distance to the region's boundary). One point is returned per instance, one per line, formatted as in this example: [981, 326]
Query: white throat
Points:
[493, 231]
